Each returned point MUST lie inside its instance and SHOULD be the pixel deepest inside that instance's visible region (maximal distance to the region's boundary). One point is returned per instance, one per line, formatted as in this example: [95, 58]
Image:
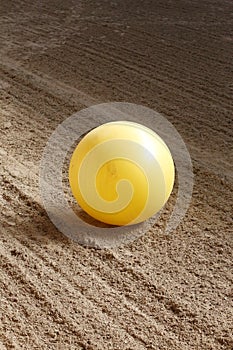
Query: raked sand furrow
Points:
[95, 283]
[93, 276]
[165, 73]
[43, 81]
[189, 93]
[72, 300]
[15, 324]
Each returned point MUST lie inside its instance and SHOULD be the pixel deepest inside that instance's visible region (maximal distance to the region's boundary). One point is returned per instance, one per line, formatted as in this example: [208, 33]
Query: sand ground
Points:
[161, 291]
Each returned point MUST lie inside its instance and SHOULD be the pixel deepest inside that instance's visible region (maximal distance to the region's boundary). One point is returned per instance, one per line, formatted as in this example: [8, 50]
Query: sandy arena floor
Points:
[170, 292]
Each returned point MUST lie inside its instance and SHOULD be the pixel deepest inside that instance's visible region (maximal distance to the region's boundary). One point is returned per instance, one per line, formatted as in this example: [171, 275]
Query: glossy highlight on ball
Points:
[121, 173]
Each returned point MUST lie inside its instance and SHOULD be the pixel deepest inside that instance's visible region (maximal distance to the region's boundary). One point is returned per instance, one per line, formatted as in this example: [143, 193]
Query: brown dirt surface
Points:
[161, 291]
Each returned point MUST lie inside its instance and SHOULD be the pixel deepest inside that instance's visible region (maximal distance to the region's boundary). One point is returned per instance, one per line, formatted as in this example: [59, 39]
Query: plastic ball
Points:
[121, 173]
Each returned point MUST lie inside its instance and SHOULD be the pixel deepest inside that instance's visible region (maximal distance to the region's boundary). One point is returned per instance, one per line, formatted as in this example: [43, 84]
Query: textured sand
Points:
[161, 291]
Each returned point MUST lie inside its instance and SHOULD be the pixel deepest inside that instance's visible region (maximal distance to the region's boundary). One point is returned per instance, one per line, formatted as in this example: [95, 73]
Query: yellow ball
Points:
[121, 173]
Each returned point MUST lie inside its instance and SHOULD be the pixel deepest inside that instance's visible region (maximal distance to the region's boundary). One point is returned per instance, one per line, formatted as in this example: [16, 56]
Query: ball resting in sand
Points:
[121, 173]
